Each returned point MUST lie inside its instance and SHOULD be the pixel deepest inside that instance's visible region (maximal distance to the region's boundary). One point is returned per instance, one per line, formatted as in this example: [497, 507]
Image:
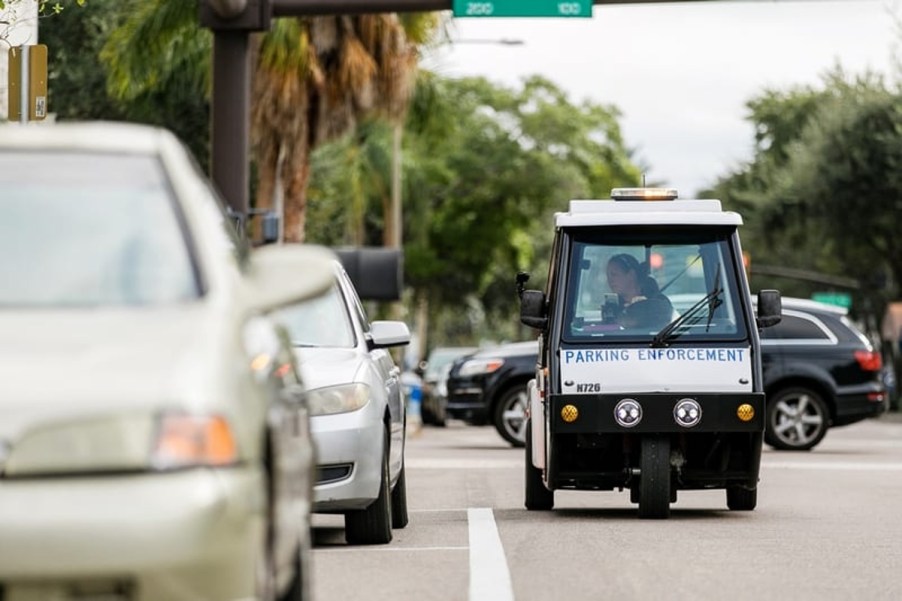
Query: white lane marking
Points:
[856, 466]
[490, 579]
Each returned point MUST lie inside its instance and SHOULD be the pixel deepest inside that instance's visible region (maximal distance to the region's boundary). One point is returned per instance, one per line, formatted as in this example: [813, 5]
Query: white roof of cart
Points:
[660, 207]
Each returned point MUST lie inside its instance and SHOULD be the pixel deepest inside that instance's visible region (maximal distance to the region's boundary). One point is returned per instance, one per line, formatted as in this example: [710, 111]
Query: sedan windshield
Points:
[322, 321]
[90, 229]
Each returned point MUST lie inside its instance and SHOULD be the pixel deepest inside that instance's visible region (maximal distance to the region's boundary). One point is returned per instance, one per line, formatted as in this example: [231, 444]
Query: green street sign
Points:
[522, 8]
[840, 299]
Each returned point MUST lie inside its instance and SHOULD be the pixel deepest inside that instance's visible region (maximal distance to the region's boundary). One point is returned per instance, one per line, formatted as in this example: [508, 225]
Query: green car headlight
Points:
[84, 444]
[338, 399]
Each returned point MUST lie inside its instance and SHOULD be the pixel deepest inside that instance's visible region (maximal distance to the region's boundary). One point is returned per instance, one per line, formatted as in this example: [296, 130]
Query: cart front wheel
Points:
[654, 478]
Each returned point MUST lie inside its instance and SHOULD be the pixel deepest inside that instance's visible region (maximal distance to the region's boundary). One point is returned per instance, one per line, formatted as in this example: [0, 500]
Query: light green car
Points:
[154, 440]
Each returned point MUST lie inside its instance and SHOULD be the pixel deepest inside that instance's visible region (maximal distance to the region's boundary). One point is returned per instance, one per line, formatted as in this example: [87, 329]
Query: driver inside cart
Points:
[639, 303]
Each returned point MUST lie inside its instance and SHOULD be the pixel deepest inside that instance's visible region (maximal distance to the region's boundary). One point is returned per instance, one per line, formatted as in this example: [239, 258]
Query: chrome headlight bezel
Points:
[334, 400]
[628, 413]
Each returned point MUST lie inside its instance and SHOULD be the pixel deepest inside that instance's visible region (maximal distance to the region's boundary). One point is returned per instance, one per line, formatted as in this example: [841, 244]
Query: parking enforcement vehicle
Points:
[631, 392]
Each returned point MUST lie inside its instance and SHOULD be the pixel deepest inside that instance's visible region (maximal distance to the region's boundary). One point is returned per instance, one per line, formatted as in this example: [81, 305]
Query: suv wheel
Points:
[797, 419]
[510, 415]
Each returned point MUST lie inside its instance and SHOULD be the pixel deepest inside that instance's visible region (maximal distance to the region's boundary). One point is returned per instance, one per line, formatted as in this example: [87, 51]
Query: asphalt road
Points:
[828, 526]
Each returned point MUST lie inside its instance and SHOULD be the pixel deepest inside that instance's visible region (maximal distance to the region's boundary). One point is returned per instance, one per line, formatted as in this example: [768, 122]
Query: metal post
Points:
[24, 84]
[231, 118]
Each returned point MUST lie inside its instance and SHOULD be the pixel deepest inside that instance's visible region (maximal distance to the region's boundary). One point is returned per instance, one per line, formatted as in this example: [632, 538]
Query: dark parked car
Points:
[820, 371]
[434, 371]
[491, 385]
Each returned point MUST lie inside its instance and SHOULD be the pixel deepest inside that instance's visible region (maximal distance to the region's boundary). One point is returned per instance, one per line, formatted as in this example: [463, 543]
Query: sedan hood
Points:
[323, 366]
[56, 365]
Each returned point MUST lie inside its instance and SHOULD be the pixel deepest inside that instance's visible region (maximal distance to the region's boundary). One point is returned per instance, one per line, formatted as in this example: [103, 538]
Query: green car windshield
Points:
[658, 287]
[90, 229]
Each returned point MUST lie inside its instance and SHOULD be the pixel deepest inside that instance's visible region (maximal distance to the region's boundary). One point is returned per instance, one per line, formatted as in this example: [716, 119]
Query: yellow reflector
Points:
[569, 413]
[745, 412]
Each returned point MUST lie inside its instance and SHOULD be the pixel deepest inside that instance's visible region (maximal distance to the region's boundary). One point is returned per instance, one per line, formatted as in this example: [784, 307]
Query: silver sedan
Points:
[357, 409]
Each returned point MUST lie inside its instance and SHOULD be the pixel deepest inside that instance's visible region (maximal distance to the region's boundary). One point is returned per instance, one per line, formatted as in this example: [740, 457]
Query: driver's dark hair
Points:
[627, 262]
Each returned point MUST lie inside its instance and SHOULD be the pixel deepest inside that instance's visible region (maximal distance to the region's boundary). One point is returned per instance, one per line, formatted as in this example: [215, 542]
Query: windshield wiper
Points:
[711, 300]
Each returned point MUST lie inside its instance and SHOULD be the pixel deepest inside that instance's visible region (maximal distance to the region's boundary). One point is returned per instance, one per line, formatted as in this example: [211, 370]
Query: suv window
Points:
[798, 327]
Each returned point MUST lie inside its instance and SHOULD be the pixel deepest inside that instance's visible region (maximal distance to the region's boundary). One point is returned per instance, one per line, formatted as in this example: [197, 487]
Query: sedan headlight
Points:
[338, 399]
[122, 443]
[83, 444]
[475, 367]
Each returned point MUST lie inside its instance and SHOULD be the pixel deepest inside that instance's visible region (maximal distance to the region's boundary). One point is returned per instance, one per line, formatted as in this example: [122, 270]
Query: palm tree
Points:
[315, 78]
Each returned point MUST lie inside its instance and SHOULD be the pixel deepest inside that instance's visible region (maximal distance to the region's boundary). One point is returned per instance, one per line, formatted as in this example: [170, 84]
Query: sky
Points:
[681, 73]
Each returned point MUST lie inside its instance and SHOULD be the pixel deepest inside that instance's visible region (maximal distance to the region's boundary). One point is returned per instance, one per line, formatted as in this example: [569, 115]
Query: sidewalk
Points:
[892, 417]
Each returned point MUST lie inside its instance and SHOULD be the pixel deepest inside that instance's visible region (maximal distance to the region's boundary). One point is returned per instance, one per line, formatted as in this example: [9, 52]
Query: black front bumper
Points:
[595, 413]
[594, 452]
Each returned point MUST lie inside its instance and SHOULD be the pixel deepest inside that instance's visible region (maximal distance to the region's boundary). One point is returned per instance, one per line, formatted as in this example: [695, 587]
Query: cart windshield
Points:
[659, 286]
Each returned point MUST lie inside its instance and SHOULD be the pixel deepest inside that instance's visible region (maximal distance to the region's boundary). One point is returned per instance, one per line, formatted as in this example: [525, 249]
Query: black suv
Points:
[491, 385]
[819, 371]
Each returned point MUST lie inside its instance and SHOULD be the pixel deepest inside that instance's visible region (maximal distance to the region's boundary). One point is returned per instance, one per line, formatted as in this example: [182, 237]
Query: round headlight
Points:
[687, 412]
[628, 413]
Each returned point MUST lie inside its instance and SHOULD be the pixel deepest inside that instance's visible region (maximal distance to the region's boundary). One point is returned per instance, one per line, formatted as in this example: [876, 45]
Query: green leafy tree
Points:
[14, 12]
[78, 78]
[484, 168]
[820, 180]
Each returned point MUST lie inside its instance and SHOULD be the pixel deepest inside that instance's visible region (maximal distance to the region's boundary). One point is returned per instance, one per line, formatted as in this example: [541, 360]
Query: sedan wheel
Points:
[797, 419]
[399, 516]
[372, 526]
[510, 416]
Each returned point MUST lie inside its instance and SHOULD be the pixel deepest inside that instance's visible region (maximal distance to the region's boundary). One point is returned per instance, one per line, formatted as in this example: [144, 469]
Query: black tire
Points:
[399, 517]
[372, 526]
[441, 416]
[427, 415]
[654, 477]
[510, 415]
[797, 419]
[538, 498]
[740, 498]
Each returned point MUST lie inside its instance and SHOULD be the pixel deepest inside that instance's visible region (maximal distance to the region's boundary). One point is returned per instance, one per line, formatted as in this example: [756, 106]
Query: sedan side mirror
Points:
[386, 334]
[770, 308]
[532, 309]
